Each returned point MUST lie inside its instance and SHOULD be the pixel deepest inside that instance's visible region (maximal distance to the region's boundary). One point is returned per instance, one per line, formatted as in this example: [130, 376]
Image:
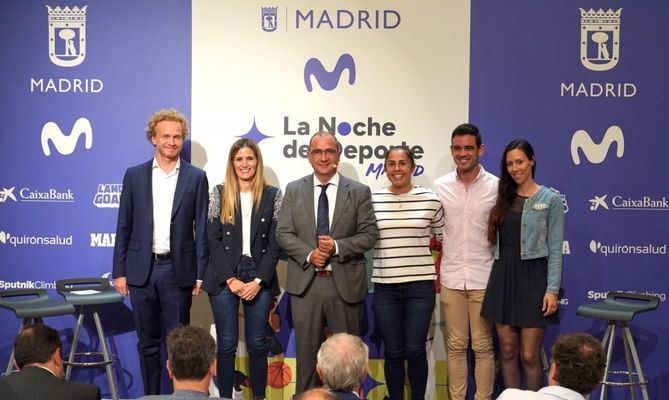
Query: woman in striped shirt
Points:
[404, 272]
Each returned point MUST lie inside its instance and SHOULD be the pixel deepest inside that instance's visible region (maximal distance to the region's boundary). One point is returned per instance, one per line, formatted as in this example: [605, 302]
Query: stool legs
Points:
[637, 364]
[105, 353]
[631, 359]
[103, 344]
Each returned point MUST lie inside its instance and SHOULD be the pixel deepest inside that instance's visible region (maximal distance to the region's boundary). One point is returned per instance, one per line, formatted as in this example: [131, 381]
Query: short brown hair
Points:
[580, 362]
[166, 115]
[190, 352]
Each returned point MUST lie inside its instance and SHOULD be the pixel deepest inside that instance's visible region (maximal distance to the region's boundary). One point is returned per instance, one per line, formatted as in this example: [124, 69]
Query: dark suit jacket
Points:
[353, 227]
[225, 242]
[341, 395]
[37, 383]
[134, 231]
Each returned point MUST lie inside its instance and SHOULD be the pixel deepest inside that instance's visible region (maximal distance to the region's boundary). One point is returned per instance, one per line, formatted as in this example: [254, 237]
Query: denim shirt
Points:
[542, 233]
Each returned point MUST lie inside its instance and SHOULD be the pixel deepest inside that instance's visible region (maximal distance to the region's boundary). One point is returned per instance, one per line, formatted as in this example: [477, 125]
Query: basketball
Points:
[278, 374]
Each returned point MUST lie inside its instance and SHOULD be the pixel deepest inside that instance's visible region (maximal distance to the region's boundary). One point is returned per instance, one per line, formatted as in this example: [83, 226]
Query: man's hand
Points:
[326, 244]
[197, 288]
[318, 258]
[121, 286]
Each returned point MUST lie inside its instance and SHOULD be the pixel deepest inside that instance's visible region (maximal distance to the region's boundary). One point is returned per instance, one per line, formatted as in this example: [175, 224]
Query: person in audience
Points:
[38, 355]
[342, 364]
[191, 363]
[576, 370]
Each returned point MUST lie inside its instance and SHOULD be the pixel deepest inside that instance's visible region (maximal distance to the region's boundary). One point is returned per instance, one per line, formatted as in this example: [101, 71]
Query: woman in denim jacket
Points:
[527, 225]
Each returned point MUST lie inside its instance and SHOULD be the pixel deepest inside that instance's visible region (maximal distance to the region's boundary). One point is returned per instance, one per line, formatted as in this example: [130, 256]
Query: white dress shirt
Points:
[467, 256]
[246, 201]
[545, 393]
[163, 186]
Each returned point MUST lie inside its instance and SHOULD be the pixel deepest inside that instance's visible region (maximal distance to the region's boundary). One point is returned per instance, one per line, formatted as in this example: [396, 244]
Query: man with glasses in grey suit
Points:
[325, 225]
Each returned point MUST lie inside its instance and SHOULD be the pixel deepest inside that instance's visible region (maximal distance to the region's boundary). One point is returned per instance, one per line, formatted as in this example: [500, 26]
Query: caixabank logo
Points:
[617, 202]
[35, 195]
[19, 239]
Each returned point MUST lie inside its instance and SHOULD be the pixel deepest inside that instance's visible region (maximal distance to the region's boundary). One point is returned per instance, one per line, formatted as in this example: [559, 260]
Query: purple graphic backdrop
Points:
[137, 61]
[524, 58]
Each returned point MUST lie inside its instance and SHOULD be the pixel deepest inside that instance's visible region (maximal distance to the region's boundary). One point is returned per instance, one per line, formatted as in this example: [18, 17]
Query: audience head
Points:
[317, 394]
[578, 363]
[39, 344]
[191, 354]
[342, 362]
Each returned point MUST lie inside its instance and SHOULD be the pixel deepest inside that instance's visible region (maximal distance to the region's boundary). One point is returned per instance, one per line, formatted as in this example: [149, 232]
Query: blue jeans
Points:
[225, 307]
[402, 314]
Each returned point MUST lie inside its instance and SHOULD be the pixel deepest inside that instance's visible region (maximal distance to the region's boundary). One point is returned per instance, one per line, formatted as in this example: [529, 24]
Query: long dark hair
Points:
[507, 188]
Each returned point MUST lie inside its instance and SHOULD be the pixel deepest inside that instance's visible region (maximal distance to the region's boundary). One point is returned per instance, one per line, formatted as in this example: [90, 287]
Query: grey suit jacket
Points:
[353, 227]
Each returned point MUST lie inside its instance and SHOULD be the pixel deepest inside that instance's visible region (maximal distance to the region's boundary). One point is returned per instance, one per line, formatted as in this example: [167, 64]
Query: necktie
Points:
[323, 217]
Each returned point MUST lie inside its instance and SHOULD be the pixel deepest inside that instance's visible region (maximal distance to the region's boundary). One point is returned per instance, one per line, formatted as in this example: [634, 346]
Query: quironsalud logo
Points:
[268, 18]
[600, 39]
[67, 35]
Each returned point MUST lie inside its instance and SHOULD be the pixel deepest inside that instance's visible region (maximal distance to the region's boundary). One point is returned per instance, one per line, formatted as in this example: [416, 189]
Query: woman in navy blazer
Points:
[242, 263]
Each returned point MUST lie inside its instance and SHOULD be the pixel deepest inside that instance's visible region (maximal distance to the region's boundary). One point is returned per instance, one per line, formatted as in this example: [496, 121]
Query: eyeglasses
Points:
[319, 152]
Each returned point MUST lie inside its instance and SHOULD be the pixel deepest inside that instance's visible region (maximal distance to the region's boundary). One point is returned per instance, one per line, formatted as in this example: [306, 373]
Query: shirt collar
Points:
[176, 169]
[481, 172]
[334, 181]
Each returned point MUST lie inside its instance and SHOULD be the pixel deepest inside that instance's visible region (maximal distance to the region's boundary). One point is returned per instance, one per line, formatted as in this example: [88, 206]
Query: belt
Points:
[162, 256]
[324, 274]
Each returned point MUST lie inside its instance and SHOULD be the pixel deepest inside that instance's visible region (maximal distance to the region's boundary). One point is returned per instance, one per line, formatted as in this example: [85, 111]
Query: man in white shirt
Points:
[161, 250]
[467, 195]
[576, 370]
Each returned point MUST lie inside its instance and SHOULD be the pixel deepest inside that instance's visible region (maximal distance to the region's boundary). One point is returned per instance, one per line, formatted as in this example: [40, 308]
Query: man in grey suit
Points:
[191, 363]
[38, 354]
[325, 225]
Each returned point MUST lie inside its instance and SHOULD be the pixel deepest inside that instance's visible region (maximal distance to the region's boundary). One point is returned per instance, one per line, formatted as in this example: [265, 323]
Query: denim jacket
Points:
[542, 233]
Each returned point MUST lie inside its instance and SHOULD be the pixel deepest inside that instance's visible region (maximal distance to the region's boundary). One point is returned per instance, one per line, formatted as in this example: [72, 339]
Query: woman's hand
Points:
[250, 290]
[550, 304]
[235, 285]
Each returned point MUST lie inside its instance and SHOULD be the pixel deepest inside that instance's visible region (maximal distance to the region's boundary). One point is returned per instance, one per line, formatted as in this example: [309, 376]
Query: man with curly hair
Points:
[161, 244]
[576, 370]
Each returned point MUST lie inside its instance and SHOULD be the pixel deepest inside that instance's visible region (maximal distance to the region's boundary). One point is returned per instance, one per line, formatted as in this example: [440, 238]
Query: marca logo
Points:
[103, 239]
[108, 195]
[7, 194]
[67, 35]
[600, 39]
[268, 18]
[626, 249]
[29, 240]
[624, 203]
[596, 152]
[65, 144]
[326, 79]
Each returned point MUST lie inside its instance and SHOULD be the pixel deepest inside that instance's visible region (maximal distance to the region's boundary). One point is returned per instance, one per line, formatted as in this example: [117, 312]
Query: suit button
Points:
[264, 250]
[262, 219]
[263, 235]
[227, 248]
[227, 233]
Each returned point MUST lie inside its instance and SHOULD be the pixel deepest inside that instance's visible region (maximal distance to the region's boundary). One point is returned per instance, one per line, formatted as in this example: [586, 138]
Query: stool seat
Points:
[88, 291]
[33, 303]
[619, 309]
[619, 306]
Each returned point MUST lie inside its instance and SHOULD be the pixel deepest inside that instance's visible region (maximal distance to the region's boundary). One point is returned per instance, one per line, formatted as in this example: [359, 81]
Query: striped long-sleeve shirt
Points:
[406, 222]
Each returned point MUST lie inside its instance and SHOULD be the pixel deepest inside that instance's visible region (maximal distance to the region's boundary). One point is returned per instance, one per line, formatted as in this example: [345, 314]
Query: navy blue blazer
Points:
[37, 383]
[134, 230]
[225, 242]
